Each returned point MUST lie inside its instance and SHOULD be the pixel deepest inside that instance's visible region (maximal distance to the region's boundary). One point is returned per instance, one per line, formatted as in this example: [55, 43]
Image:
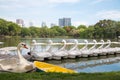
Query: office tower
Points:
[30, 23]
[20, 22]
[43, 24]
[52, 25]
[64, 22]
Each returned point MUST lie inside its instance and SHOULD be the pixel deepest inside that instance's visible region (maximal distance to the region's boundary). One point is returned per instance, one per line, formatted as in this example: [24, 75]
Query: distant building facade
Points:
[52, 25]
[20, 22]
[31, 24]
[43, 24]
[64, 22]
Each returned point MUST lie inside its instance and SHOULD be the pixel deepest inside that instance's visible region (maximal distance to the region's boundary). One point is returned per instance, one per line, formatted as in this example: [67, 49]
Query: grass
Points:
[60, 76]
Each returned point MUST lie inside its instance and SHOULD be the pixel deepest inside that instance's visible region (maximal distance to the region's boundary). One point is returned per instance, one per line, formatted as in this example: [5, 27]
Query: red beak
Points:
[25, 47]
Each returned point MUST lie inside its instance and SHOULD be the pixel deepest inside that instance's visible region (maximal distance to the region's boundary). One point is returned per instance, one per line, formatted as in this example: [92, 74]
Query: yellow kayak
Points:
[51, 68]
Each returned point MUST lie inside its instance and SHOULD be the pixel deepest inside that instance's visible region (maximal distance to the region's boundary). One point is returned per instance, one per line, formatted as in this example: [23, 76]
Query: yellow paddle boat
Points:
[46, 67]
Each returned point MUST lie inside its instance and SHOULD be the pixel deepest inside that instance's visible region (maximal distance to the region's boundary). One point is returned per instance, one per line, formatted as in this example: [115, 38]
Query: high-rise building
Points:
[52, 25]
[43, 24]
[64, 22]
[20, 22]
[30, 23]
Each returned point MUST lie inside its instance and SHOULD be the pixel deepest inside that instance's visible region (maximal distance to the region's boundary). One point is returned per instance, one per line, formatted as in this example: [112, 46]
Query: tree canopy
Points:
[9, 28]
[102, 29]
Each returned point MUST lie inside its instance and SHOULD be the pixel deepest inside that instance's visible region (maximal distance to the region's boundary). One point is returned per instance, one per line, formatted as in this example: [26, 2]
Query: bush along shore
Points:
[60, 76]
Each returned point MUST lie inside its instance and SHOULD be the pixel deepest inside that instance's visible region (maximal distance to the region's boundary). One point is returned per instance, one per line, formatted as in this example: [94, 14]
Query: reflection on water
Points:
[10, 41]
[91, 64]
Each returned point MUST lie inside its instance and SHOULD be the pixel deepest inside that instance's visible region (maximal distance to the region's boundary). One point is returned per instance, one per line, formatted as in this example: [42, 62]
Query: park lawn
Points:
[60, 76]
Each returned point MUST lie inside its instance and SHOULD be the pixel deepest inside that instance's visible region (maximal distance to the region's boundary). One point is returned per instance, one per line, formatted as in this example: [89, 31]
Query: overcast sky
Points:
[86, 12]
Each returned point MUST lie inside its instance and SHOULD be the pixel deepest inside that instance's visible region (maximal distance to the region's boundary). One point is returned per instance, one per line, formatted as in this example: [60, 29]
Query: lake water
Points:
[92, 64]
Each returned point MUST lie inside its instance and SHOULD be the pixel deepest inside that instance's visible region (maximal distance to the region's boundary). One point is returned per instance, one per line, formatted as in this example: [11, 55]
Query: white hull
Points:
[79, 56]
[38, 58]
[56, 57]
[94, 54]
[84, 55]
[118, 52]
[111, 53]
[103, 54]
[71, 56]
[49, 58]
[65, 57]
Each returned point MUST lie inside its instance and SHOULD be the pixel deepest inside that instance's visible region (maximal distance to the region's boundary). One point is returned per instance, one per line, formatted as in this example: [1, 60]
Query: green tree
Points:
[13, 29]
[59, 31]
[105, 29]
[53, 32]
[81, 27]
[117, 29]
[68, 29]
[3, 27]
[44, 32]
[89, 32]
[9, 28]
[74, 33]
[25, 32]
[34, 31]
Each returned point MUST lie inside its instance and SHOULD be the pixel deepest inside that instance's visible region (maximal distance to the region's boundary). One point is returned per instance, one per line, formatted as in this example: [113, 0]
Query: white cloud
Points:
[34, 2]
[10, 7]
[63, 1]
[114, 14]
[9, 0]
[18, 4]
[98, 1]
[21, 4]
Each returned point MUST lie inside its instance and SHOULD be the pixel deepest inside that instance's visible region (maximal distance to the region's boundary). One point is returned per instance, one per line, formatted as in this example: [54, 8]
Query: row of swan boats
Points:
[104, 48]
[19, 64]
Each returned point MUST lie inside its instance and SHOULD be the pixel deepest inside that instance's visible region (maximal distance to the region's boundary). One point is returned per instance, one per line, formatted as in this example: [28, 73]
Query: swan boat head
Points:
[50, 46]
[86, 45]
[102, 45]
[64, 45]
[75, 46]
[109, 44]
[94, 46]
[32, 47]
[62, 49]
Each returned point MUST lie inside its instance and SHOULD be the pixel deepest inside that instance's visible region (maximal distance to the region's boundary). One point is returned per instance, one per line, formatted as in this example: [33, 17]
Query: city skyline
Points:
[64, 22]
[20, 22]
[85, 12]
